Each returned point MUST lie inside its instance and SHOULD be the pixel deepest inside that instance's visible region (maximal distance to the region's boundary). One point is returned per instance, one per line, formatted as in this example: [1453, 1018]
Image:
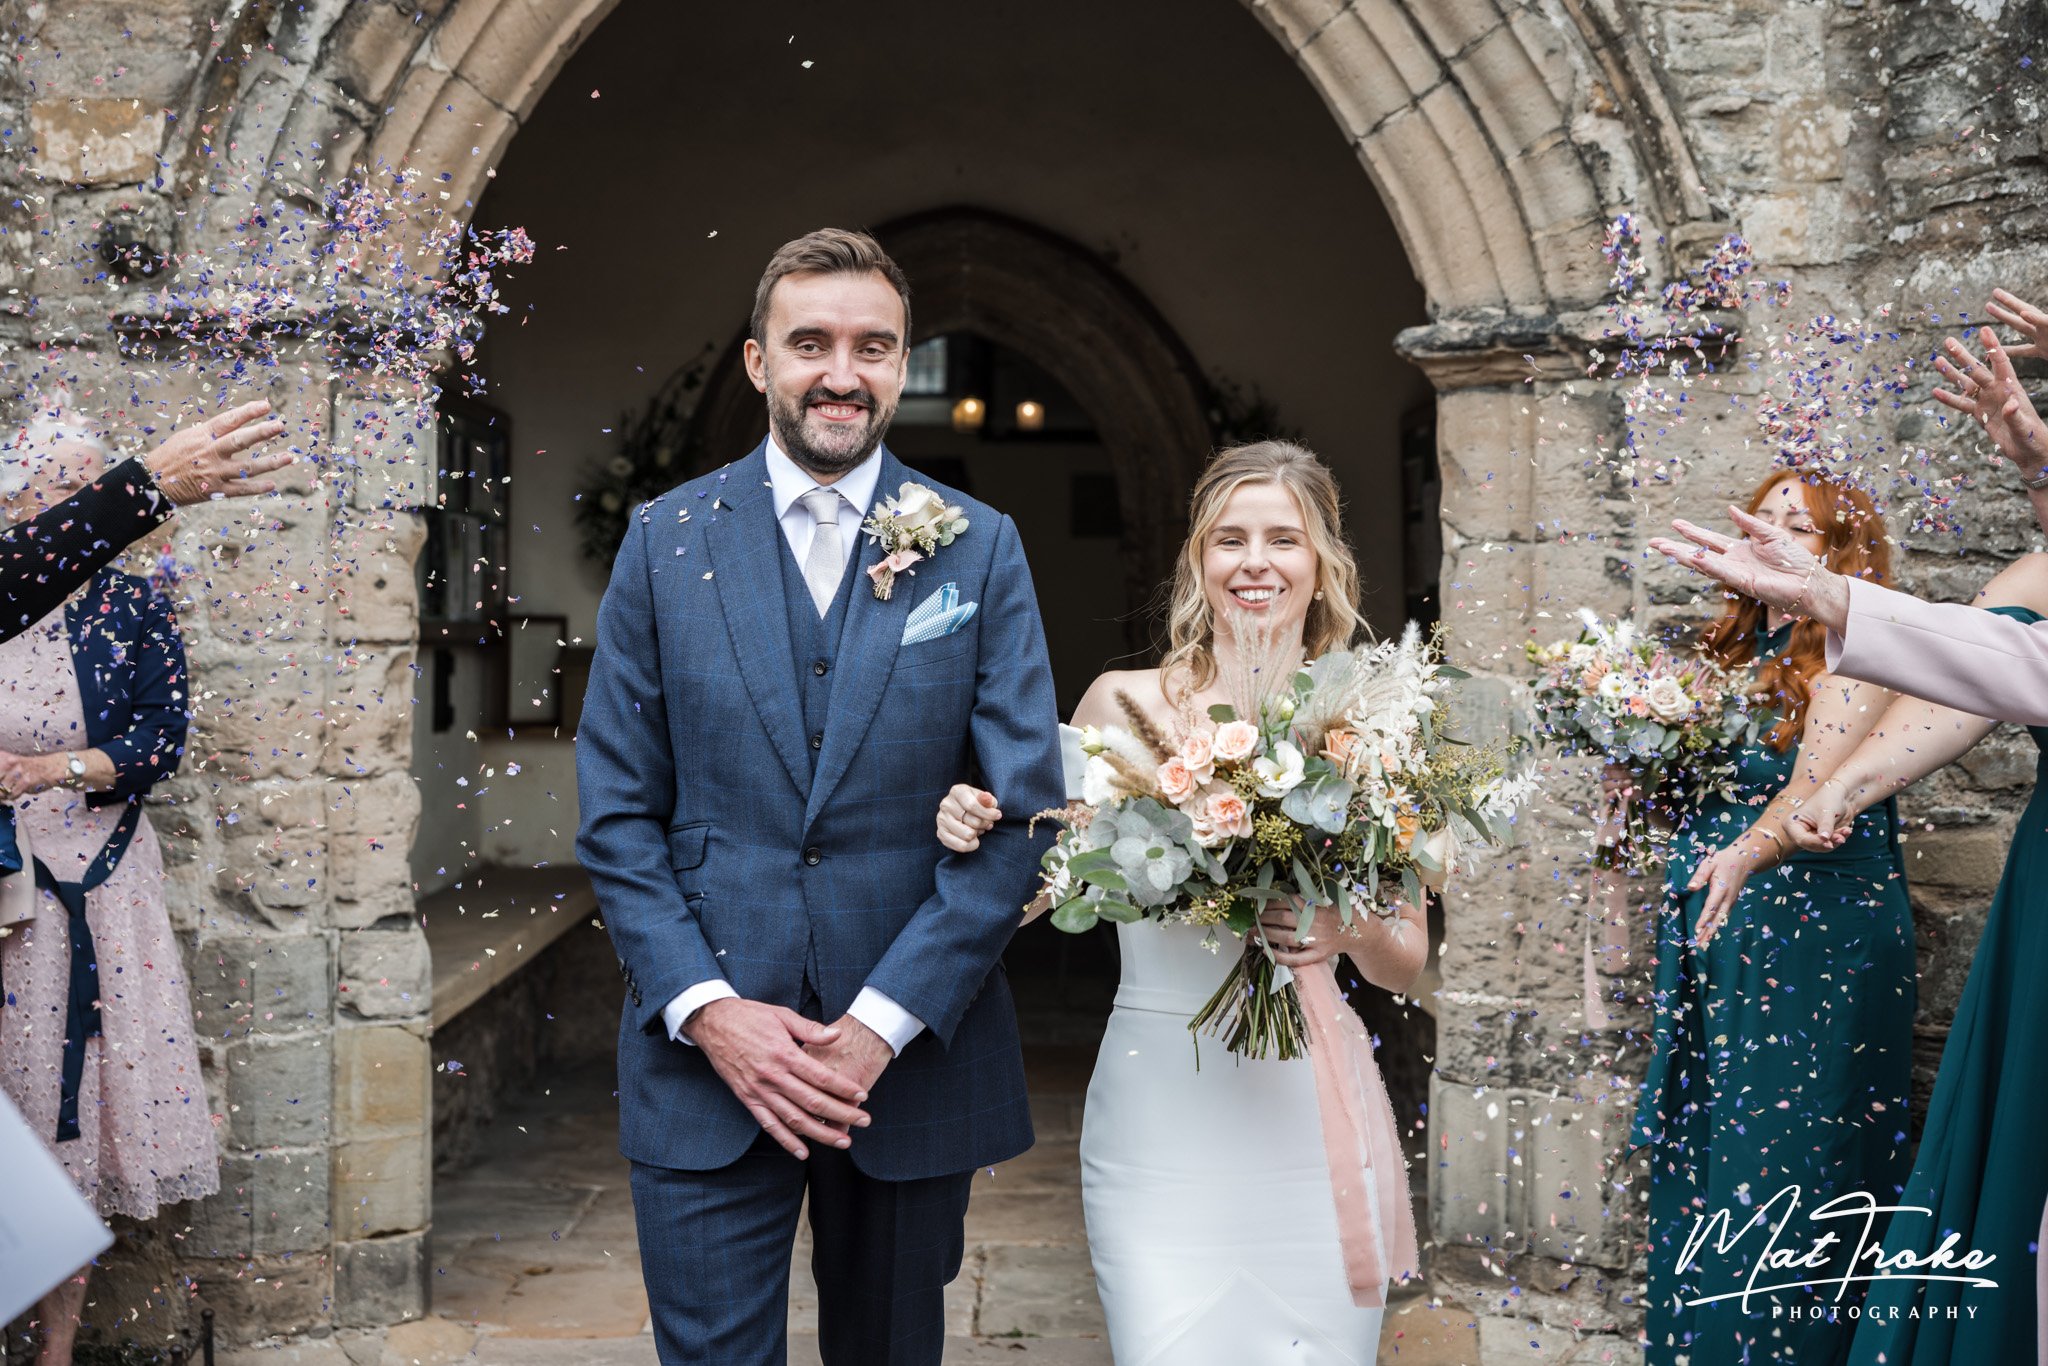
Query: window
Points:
[925, 376]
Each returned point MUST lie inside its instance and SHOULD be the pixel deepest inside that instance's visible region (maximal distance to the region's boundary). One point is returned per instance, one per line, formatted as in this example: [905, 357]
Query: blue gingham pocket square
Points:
[941, 614]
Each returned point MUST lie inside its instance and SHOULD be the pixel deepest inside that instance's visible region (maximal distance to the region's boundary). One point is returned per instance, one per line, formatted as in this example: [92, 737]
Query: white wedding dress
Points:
[1211, 1221]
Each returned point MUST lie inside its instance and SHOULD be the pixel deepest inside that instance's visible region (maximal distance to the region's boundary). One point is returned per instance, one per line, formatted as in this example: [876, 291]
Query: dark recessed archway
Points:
[1065, 308]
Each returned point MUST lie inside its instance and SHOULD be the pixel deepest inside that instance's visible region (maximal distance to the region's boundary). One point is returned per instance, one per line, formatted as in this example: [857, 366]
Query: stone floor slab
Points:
[971, 1351]
[1040, 1292]
[432, 1341]
[579, 1302]
[496, 1351]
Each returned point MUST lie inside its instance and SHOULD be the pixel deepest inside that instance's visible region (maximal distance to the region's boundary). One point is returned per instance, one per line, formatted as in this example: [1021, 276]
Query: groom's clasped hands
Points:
[798, 1078]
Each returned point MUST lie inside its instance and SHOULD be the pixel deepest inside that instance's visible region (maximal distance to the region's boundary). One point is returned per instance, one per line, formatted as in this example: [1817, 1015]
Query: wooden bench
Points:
[492, 923]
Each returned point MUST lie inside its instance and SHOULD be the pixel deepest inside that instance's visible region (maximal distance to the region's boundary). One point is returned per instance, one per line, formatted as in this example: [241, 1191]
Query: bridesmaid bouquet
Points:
[1338, 789]
[1675, 721]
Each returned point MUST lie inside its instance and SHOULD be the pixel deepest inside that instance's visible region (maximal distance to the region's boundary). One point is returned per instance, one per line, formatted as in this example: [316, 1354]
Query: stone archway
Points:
[1053, 300]
[1498, 133]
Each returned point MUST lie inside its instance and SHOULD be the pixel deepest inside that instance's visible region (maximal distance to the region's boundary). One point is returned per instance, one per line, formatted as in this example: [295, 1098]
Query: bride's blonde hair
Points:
[1333, 620]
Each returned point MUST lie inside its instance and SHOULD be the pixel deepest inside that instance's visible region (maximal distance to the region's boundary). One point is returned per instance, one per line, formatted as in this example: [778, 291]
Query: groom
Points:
[814, 1000]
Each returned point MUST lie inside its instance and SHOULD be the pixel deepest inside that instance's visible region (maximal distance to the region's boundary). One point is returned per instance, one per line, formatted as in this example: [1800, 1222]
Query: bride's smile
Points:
[1257, 559]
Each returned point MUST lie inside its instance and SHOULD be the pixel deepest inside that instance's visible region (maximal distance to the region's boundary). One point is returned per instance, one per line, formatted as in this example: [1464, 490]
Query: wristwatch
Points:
[75, 766]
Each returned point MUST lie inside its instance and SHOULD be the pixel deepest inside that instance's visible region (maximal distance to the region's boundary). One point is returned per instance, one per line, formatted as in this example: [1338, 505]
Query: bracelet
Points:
[1770, 835]
[2039, 481]
[1806, 589]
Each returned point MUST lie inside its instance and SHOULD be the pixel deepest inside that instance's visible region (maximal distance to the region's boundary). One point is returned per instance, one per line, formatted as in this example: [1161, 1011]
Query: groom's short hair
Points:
[828, 251]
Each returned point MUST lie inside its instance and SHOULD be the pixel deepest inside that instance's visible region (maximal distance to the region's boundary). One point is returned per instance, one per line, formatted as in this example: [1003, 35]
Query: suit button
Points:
[818, 740]
[814, 856]
[821, 668]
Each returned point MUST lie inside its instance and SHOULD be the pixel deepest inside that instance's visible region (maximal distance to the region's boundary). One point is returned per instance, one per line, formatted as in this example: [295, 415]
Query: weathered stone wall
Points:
[1874, 153]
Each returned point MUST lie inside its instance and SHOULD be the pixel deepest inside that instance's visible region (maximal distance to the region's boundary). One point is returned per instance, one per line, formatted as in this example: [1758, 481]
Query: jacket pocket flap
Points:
[686, 846]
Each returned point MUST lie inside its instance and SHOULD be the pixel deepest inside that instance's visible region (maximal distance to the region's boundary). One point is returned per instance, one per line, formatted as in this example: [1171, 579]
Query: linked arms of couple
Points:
[1390, 953]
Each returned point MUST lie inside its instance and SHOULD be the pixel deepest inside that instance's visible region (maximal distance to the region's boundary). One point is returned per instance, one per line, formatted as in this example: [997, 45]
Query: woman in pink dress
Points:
[96, 1041]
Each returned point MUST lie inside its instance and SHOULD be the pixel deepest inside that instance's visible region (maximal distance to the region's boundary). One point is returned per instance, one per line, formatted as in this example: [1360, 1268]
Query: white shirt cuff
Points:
[896, 1025]
[690, 1002]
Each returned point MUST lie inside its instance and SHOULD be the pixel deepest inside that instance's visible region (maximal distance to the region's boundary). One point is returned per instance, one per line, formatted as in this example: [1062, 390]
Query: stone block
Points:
[1813, 138]
[268, 1202]
[381, 1185]
[1516, 1171]
[370, 46]
[1968, 860]
[369, 715]
[283, 886]
[383, 1081]
[270, 1295]
[1454, 26]
[385, 974]
[377, 599]
[380, 1281]
[1361, 80]
[1491, 440]
[280, 1089]
[1294, 22]
[263, 982]
[93, 141]
[1502, 80]
[390, 448]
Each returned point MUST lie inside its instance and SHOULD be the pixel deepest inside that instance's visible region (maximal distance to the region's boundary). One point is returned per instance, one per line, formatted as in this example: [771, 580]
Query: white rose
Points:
[917, 508]
[1611, 690]
[1280, 774]
[1580, 656]
[1098, 782]
[1668, 701]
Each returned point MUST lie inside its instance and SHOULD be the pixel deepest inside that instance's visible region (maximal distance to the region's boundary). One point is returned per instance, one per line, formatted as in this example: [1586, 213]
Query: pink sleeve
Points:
[1946, 652]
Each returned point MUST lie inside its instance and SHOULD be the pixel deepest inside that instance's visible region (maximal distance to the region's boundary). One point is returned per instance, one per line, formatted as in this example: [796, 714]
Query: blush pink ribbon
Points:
[1368, 1174]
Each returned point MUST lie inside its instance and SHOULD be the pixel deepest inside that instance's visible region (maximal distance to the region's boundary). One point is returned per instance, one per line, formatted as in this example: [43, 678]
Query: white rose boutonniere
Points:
[909, 527]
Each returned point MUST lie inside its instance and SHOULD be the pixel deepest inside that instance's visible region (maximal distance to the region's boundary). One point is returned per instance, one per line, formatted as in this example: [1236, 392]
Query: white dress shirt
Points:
[788, 483]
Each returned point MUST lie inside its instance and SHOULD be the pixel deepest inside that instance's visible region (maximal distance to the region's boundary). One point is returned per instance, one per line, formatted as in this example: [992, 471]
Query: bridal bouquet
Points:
[1339, 788]
[1674, 720]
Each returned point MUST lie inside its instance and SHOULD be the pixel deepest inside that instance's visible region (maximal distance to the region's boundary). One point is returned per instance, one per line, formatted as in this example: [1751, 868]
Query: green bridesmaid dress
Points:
[1980, 1171]
[1782, 1057]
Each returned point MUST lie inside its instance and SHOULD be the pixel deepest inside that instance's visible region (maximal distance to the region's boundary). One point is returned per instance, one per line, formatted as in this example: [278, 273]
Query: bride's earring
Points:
[1319, 595]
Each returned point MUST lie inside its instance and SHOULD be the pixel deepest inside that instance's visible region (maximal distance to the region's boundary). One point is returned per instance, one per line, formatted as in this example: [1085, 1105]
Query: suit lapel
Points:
[867, 652]
[743, 539]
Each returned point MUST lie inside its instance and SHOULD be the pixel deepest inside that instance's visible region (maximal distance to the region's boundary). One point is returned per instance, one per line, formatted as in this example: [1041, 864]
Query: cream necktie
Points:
[826, 563]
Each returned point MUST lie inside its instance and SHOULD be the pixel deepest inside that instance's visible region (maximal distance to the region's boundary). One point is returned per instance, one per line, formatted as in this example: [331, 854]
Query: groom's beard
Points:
[837, 448]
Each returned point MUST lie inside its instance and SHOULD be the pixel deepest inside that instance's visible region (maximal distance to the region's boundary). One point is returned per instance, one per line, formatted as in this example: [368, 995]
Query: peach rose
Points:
[1338, 744]
[1175, 781]
[1198, 751]
[1234, 741]
[1228, 815]
[1405, 825]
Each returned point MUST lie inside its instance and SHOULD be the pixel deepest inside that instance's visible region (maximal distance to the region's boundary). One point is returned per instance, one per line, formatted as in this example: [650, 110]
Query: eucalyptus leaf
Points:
[1309, 884]
[1411, 887]
[1223, 713]
[1075, 917]
[1122, 912]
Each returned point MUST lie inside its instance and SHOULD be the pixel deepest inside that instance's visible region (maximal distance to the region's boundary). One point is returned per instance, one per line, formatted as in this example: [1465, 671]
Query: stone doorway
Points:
[1493, 137]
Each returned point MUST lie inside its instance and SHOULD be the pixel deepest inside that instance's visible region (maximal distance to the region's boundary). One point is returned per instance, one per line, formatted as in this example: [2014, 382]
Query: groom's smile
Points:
[830, 361]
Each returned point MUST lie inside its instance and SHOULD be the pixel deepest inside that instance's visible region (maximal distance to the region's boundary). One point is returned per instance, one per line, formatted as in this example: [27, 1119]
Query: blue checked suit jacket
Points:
[715, 852]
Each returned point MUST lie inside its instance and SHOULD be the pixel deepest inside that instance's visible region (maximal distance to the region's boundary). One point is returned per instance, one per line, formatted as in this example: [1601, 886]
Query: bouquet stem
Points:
[1252, 1018]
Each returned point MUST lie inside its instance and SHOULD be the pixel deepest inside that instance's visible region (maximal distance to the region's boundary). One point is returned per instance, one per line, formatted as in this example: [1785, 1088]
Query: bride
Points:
[1234, 1216]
